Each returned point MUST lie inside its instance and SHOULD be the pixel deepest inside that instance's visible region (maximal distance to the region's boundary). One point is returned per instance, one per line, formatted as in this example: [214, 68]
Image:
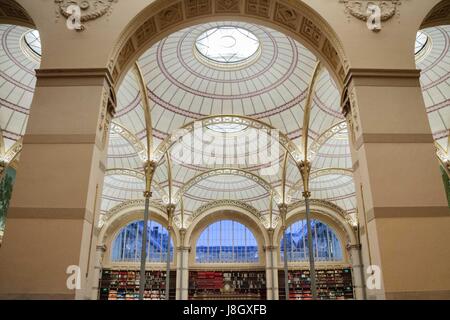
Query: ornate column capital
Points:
[353, 247]
[305, 170]
[283, 208]
[149, 169]
[270, 248]
[170, 209]
[184, 248]
[101, 248]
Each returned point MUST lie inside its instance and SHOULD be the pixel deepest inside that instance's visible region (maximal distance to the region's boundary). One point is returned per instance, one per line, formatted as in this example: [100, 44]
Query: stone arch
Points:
[13, 13]
[172, 139]
[334, 219]
[163, 17]
[112, 226]
[237, 214]
[223, 172]
[438, 16]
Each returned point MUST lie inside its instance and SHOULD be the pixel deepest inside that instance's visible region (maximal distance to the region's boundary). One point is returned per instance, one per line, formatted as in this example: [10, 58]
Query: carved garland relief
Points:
[363, 9]
[90, 9]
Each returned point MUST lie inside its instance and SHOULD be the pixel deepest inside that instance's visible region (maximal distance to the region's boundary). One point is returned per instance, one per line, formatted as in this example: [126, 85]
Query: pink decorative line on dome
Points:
[186, 88]
[10, 55]
[436, 82]
[441, 134]
[343, 197]
[14, 107]
[202, 199]
[442, 54]
[233, 188]
[122, 155]
[11, 135]
[438, 106]
[130, 107]
[16, 83]
[252, 77]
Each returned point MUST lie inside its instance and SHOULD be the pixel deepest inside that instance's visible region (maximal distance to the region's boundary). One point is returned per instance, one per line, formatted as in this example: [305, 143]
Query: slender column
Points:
[150, 167]
[170, 211]
[98, 268]
[271, 269]
[357, 271]
[305, 169]
[283, 213]
[45, 249]
[402, 206]
[182, 268]
[142, 278]
[2, 171]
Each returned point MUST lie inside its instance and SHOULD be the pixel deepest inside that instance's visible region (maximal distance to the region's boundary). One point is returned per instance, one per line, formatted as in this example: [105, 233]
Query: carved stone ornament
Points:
[90, 9]
[359, 8]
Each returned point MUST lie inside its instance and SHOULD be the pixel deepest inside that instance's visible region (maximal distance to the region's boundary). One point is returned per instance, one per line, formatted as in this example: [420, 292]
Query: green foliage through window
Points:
[446, 180]
[6, 187]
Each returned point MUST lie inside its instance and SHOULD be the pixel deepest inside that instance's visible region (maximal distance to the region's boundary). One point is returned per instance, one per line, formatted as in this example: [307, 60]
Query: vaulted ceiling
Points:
[182, 87]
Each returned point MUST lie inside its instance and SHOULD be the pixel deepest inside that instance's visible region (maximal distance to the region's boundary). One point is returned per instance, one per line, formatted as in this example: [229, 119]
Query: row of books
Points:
[223, 285]
[124, 285]
[331, 284]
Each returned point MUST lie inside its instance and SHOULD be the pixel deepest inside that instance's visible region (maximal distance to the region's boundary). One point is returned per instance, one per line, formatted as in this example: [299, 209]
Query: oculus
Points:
[227, 44]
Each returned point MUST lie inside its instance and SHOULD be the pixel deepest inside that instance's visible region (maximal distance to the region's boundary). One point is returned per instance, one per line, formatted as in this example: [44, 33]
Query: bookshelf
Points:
[332, 284]
[124, 285]
[224, 285]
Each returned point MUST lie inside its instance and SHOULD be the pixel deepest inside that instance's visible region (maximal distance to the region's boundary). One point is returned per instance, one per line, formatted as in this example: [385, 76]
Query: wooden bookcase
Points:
[124, 285]
[235, 285]
[332, 284]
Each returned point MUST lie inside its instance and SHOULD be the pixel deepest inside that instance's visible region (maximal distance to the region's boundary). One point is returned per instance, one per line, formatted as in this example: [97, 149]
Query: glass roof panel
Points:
[421, 42]
[227, 44]
[33, 41]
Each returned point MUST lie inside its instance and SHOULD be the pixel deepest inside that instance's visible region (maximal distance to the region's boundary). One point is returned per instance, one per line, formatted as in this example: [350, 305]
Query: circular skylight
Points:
[227, 44]
[421, 42]
[33, 41]
[227, 127]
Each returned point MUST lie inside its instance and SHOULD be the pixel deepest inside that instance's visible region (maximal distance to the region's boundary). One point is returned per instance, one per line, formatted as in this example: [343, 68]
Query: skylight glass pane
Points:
[33, 41]
[227, 127]
[127, 245]
[326, 244]
[421, 42]
[227, 44]
[227, 241]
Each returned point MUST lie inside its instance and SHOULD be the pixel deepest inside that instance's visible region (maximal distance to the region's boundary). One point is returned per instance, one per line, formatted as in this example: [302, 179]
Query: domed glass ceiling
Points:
[33, 41]
[227, 127]
[227, 44]
[421, 42]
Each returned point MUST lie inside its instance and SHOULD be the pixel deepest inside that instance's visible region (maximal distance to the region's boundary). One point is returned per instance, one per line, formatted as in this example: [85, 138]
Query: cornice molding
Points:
[383, 77]
[73, 76]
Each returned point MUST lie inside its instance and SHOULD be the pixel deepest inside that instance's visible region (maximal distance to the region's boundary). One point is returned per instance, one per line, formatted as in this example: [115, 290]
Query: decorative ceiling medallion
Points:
[90, 9]
[361, 9]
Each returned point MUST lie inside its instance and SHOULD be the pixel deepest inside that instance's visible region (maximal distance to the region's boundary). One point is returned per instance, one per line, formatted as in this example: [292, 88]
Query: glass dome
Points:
[421, 42]
[227, 127]
[33, 41]
[227, 44]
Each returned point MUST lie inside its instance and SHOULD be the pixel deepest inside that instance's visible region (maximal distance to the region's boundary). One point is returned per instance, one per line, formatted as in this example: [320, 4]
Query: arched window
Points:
[227, 241]
[128, 243]
[326, 244]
